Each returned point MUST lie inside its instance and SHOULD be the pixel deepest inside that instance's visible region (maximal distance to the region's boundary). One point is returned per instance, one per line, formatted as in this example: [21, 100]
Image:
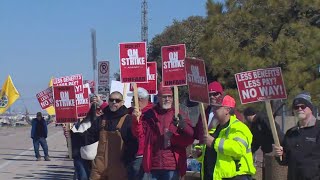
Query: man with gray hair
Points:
[300, 150]
[135, 167]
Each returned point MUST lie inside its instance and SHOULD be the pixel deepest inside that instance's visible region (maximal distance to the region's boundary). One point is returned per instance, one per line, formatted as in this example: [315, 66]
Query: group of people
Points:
[149, 142]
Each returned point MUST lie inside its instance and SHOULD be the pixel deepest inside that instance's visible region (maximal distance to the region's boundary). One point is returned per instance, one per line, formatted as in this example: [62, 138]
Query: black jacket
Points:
[262, 135]
[302, 152]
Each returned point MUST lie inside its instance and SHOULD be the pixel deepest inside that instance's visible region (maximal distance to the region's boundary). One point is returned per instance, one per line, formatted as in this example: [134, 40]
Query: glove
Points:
[179, 122]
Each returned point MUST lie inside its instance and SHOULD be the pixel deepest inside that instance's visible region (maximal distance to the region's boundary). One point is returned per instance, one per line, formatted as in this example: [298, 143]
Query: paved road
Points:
[17, 159]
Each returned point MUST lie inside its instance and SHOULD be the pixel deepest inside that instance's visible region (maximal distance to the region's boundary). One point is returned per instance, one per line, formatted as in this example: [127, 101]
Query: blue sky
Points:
[41, 38]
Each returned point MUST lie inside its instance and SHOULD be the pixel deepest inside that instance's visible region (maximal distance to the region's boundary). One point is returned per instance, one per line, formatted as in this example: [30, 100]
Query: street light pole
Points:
[94, 56]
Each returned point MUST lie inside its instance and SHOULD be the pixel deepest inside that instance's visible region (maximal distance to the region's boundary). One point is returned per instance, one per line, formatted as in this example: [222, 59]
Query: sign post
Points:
[103, 77]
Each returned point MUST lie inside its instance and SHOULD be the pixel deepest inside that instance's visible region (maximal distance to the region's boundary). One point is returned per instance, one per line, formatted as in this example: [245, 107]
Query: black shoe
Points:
[47, 158]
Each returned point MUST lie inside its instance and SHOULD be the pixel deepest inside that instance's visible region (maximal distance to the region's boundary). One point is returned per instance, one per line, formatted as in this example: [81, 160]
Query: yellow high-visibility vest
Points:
[232, 145]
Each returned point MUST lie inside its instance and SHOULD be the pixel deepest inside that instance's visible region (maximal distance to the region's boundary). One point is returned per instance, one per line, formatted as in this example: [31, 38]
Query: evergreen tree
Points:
[251, 34]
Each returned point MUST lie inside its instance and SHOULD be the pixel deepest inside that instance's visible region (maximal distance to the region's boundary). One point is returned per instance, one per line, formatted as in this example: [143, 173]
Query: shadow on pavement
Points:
[11, 159]
[53, 172]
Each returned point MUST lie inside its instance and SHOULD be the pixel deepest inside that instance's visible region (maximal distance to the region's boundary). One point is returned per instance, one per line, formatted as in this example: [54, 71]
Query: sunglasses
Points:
[214, 94]
[115, 100]
[299, 106]
[166, 96]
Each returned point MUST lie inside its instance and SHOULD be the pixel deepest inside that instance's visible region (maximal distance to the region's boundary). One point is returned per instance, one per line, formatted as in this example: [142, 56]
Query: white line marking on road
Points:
[24, 152]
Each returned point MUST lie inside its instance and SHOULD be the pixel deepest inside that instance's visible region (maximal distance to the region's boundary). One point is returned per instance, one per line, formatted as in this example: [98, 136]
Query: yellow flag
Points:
[50, 110]
[8, 95]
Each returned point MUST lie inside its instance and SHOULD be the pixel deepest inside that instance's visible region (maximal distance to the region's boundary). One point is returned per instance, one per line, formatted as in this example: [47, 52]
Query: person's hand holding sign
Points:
[136, 113]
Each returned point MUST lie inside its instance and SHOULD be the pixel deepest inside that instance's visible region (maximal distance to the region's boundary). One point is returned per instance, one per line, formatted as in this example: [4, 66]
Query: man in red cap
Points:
[166, 138]
[228, 149]
[215, 91]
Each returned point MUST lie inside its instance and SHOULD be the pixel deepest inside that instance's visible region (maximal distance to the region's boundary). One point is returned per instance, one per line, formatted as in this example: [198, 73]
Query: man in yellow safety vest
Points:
[228, 149]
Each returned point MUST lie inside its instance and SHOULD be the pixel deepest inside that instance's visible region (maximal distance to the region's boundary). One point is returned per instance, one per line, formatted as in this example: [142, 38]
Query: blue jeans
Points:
[43, 142]
[135, 169]
[82, 168]
[164, 175]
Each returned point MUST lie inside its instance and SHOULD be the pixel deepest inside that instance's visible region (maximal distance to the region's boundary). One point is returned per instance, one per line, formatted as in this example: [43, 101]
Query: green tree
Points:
[188, 32]
[251, 34]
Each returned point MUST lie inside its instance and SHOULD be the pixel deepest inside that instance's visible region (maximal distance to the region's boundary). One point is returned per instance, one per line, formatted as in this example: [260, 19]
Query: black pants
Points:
[240, 177]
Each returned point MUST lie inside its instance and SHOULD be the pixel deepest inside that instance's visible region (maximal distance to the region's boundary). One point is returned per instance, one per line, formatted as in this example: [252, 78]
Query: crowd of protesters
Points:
[150, 142]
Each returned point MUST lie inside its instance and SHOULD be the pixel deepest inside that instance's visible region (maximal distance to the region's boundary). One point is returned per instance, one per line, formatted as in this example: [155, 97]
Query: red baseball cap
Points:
[164, 90]
[215, 86]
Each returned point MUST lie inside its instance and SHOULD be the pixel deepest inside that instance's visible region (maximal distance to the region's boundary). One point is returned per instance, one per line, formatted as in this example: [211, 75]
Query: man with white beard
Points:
[300, 150]
[166, 138]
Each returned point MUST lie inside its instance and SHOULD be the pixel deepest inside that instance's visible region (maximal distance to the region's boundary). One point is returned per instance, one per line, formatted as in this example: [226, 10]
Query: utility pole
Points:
[144, 21]
[144, 27]
[94, 56]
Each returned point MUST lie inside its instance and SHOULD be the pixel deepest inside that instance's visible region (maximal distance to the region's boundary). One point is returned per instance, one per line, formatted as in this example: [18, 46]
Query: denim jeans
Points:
[135, 169]
[43, 142]
[164, 175]
[82, 168]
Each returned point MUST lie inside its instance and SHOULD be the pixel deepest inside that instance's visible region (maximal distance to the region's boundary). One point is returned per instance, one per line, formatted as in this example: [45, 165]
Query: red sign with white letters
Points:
[133, 62]
[151, 85]
[83, 103]
[65, 104]
[45, 98]
[82, 97]
[260, 85]
[197, 80]
[173, 65]
[91, 83]
[73, 80]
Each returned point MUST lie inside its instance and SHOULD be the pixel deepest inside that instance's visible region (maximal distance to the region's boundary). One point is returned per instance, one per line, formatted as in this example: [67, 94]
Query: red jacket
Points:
[137, 129]
[152, 122]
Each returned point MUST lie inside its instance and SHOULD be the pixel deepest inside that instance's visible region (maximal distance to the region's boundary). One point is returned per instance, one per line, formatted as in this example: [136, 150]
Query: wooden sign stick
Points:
[176, 101]
[272, 124]
[69, 143]
[136, 98]
[204, 120]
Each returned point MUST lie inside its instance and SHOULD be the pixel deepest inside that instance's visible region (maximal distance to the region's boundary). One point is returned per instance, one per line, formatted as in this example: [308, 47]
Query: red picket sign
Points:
[151, 85]
[92, 85]
[45, 98]
[197, 80]
[260, 85]
[65, 104]
[173, 65]
[83, 103]
[82, 97]
[73, 80]
[133, 62]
